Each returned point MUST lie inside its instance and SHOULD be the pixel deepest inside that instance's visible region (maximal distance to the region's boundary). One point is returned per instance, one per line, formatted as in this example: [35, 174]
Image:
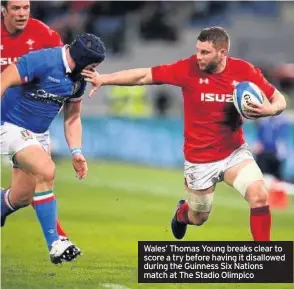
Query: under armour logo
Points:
[203, 80]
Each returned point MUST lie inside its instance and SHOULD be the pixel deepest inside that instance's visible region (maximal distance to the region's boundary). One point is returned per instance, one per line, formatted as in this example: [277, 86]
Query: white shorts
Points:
[15, 139]
[205, 175]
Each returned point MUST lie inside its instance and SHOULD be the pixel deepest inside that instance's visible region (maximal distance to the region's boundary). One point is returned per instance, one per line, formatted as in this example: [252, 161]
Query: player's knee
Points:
[200, 203]
[256, 195]
[47, 175]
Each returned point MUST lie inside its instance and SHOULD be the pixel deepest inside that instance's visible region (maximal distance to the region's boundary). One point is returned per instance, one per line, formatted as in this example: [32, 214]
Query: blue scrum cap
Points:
[86, 49]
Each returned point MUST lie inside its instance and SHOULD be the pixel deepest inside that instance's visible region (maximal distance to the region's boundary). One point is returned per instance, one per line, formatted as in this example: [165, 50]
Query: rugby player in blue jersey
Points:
[33, 91]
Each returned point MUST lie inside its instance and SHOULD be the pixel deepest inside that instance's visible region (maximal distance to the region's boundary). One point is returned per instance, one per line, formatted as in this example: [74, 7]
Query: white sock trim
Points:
[7, 201]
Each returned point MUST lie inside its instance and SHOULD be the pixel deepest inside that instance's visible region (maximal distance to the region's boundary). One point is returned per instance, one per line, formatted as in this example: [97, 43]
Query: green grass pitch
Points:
[106, 215]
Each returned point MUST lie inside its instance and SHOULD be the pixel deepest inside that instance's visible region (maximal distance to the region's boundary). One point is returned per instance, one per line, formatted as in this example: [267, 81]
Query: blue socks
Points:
[6, 206]
[45, 207]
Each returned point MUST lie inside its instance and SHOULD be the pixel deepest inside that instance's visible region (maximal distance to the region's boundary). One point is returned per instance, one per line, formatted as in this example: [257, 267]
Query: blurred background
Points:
[133, 141]
[134, 121]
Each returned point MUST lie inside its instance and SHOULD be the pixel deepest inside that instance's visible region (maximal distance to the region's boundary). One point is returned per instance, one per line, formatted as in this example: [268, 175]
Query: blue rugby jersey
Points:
[46, 87]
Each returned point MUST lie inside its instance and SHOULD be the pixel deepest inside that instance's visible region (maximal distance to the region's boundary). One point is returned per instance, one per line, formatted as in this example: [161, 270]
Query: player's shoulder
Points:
[51, 53]
[186, 61]
[47, 56]
[191, 60]
[187, 64]
[240, 64]
[38, 26]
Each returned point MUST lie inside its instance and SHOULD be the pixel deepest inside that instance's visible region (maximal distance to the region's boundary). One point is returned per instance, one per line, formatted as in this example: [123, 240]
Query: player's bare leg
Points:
[23, 184]
[36, 162]
[248, 180]
[195, 211]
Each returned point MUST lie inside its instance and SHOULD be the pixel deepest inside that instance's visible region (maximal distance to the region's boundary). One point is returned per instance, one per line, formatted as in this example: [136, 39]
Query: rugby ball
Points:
[246, 94]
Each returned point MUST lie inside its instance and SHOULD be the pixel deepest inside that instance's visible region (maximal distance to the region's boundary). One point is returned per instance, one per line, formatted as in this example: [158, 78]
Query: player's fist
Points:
[92, 76]
[80, 165]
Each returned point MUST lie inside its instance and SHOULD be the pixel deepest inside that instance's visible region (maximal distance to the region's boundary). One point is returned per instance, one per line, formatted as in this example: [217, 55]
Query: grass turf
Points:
[106, 215]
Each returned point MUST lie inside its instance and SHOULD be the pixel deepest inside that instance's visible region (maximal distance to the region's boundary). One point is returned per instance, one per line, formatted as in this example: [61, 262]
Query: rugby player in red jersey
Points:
[214, 147]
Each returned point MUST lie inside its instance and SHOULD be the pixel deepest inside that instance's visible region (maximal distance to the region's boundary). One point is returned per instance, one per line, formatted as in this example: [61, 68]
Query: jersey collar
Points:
[67, 69]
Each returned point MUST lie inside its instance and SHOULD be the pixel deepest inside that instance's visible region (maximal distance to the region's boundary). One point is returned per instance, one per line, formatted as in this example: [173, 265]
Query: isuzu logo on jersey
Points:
[8, 60]
[216, 97]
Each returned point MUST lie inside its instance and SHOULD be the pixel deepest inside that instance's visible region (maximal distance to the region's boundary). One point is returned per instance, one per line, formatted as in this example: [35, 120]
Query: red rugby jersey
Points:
[35, 36]
[212, 125]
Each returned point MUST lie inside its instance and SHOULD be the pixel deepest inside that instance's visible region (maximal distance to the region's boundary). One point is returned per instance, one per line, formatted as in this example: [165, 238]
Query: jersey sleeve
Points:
[80, 88]
[47, 36]
[54, 39]
[257, 77]
[31, 66]
[173, 73]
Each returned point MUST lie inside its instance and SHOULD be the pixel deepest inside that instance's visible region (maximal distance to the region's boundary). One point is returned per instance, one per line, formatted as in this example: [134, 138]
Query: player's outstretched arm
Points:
[138, 76]
[73, 135]
[9, 77]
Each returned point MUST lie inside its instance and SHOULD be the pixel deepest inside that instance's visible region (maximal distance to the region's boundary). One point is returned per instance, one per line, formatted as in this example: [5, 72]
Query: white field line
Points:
[113, 286]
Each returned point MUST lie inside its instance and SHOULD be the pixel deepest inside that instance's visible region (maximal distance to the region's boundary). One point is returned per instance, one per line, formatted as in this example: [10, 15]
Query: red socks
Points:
[60, 231]
[260, 223]
[182, 213]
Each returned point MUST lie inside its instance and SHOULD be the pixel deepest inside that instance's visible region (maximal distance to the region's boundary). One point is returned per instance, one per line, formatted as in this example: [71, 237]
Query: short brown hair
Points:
[217, 35]
[4, 3]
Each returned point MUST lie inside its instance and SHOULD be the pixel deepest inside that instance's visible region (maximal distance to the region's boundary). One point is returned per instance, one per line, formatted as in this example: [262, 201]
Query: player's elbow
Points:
[143, 81]
[282, 104]
[279, 102]
[281, 99]
[145, 77]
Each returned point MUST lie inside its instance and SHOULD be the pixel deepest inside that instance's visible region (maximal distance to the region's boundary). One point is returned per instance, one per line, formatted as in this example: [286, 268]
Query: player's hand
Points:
[260, 110]
[93, 77]
[80, 165]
